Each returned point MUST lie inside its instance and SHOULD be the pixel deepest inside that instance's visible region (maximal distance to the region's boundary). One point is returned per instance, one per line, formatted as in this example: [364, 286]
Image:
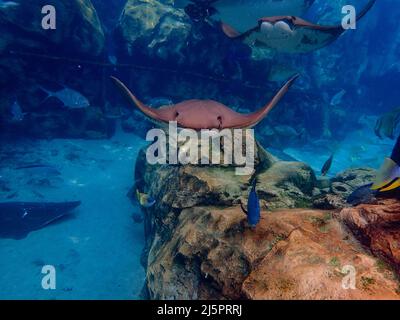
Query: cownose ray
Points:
[18, 219]
[290, 34]
[204, 114]
[242, 13]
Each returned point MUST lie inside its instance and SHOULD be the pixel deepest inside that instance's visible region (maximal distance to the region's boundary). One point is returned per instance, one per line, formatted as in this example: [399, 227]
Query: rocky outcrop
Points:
[32, 57]
[292, 254]
[79, 29]
[199, 245]
[183, 59]
[280, 184]
[352, 179]
[334, 192]
[286, 185]
[377, 226]
[154, 28]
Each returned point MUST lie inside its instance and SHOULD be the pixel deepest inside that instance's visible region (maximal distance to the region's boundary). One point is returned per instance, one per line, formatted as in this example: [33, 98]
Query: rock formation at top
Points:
[32, 57]
[78, 28]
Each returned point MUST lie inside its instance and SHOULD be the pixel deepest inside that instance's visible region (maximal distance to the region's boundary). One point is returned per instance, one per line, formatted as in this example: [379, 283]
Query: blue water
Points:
[97, 251]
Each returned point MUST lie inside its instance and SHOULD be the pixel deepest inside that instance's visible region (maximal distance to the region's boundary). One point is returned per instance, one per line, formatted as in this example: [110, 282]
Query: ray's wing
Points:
[18, 219]
[232, 33]
[150, 112]
[306, 24]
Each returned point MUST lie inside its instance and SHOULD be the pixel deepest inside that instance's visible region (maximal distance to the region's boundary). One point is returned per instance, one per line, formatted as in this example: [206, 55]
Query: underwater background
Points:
[67, 133]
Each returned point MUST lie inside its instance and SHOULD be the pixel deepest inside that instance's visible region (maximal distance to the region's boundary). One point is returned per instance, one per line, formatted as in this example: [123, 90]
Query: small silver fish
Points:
[69, 97]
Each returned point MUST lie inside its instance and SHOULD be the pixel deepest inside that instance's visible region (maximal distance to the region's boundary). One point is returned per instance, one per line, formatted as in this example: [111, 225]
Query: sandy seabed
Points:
[96, 252]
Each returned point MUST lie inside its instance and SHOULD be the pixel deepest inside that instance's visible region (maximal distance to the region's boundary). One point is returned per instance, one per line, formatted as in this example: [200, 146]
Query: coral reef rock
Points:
[341, 186]
[199, 245]
[280, 184]
[81, 29]
[377, 226]
[32, 57]
[286, 185]
[191, 185]
[292, 254]
[155, 28]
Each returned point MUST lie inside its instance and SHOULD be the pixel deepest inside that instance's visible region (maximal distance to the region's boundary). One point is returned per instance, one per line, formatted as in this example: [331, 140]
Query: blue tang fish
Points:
[253, 207]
